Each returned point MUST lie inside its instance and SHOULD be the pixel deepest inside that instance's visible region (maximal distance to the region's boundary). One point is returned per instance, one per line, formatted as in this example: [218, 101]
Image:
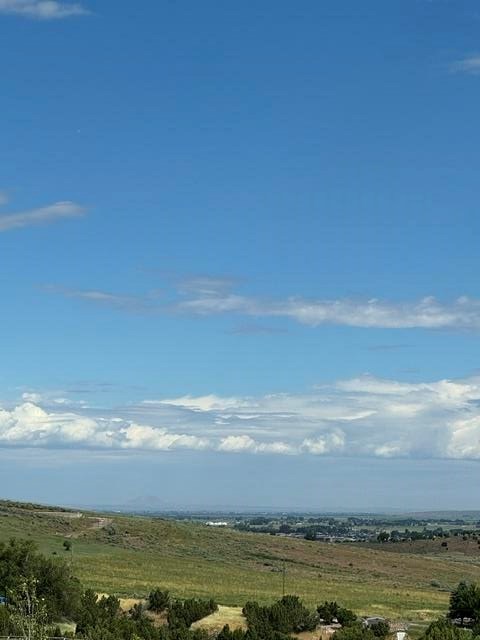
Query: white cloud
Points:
[329, 443]
[210, 297]
[42, 9]
[427, 313]
[3, 198]
[136, 436]
[42, 215]
[120, 302]
[203, 403]
[52, 398]
[237, 443]
[30, 425]
[470, 65]
[244, 443]
[465, 440]
[276, 447]
[31, 397]
[205, 285]
[362, 417]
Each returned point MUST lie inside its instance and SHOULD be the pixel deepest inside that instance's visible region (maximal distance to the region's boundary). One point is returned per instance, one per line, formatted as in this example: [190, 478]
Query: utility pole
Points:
[283, 577]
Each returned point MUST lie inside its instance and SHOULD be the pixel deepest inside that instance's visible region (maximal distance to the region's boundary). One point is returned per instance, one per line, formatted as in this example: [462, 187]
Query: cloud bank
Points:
[42, 215]
[360, 417]
[42, 9]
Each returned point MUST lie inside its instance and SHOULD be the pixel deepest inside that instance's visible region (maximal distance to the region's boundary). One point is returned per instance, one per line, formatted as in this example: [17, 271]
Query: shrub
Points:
[328, 611]
[380, 629]
[158, 600]
[346, 617]
[288, 615]
[183, 614]
[20, 561]
[444, 630]
[465, 602]
[354, 632]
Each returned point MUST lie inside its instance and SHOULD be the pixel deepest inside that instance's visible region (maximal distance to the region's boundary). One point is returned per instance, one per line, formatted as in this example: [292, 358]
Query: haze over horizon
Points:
[239, 253]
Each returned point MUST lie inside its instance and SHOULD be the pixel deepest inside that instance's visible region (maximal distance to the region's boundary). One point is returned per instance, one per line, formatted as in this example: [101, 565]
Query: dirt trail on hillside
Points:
[99, 523]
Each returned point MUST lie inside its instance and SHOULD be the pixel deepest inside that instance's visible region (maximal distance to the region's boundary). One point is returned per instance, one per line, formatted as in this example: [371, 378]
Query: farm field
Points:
[129, 555]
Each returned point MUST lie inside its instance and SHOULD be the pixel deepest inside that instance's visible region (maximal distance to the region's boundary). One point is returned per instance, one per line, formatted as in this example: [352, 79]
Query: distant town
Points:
[339, 528]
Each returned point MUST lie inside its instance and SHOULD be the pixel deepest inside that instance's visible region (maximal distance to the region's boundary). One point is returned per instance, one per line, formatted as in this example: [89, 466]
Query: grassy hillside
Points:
[128, 555]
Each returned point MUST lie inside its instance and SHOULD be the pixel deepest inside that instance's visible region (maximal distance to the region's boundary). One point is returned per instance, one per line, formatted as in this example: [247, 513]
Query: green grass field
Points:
[127, 556]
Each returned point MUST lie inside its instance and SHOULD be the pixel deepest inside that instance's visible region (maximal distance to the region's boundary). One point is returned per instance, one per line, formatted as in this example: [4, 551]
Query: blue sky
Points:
[240, 235]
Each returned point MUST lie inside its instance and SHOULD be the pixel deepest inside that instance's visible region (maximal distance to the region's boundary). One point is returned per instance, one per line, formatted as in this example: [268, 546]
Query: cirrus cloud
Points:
[214, 297]
[41, 215]
[469, 65]
[42, 9]
[426, 313]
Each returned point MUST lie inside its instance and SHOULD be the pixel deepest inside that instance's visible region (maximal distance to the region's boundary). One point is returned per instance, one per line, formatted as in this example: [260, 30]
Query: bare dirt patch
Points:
[322, 632]
[99, 523]
[67, 515]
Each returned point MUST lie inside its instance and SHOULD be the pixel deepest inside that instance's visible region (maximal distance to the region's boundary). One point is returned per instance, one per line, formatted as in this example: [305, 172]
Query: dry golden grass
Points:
[128, 603]
[133, 555]
[232, 616]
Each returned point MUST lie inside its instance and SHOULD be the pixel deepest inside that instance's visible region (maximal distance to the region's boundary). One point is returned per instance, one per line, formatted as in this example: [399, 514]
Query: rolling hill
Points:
[128, 555]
